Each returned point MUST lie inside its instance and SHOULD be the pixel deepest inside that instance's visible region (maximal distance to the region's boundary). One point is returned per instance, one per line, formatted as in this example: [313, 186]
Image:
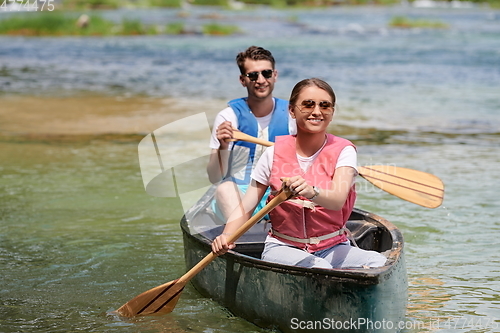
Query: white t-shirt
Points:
[240, 154]
[263, 124]
[262, 171]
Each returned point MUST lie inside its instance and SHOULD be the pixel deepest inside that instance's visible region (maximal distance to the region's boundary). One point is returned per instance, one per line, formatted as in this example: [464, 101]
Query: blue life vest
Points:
[248, 124]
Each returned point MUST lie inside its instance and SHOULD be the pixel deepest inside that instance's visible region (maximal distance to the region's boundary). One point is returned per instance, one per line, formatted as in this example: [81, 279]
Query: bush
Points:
[404, 22]
[52, 24]
[219, 29]
[165, 3]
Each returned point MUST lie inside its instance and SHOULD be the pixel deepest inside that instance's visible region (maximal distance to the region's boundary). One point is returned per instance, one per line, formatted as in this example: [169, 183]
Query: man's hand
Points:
[224, 132]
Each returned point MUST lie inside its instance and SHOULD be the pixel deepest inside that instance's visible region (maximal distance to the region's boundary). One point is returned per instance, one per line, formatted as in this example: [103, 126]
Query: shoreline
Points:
[94, 115]
[86, 118]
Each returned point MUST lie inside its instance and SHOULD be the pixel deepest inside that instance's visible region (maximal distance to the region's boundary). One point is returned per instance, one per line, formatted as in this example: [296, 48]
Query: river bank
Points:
[91, 115]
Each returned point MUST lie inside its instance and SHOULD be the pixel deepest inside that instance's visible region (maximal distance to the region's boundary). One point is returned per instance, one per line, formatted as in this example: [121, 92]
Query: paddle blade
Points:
[415, 186]
[159, 300]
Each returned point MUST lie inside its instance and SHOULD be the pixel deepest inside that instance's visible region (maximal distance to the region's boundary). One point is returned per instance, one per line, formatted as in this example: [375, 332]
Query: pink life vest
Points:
[292, 219]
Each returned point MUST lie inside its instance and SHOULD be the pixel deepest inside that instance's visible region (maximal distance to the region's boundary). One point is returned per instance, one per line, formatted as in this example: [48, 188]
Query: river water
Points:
[79, 236]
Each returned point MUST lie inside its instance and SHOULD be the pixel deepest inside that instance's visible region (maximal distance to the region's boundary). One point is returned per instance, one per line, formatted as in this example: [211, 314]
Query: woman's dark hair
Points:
[312, 82]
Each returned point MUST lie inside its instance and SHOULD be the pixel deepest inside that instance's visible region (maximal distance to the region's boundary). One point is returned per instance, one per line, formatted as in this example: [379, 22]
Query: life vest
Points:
[248, 124]
[297, 220]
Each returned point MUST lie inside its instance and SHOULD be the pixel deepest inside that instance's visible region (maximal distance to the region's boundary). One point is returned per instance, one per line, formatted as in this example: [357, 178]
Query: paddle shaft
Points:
[278, 199]
[162, 299]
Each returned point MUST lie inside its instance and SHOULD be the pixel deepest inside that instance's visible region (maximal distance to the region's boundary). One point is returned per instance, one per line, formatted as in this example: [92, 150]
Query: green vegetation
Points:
[112, 4]
[52, 24]
[175, 28]
[93, 4]
[61, 24]
[104, 4]
[218, 29]
[165, 3]
[405, 22]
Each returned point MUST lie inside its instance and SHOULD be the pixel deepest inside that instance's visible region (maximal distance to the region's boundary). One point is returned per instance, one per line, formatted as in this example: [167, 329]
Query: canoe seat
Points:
[364, 233]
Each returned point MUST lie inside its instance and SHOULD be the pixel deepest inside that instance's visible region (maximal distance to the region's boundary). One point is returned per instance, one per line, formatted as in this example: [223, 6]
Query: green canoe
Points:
[295, 299]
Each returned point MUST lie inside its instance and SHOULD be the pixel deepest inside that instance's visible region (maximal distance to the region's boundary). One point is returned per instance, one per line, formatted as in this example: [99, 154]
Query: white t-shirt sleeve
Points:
[348, 157]
[262, 171]
[225, 115]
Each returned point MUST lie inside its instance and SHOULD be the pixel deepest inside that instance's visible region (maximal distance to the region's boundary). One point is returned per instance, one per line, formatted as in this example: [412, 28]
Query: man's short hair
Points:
[253, 53]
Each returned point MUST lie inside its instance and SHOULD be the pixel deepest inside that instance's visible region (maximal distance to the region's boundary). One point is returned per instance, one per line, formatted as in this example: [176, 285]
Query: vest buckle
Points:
[314, 240]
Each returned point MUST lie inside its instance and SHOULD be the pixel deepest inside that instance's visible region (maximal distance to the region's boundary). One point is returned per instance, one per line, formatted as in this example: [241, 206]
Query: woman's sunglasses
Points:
[254, 76]
[308, 106]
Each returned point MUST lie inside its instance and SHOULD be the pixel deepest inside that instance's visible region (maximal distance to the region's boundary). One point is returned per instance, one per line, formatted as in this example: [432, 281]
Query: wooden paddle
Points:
[418, 187]
[162, 299]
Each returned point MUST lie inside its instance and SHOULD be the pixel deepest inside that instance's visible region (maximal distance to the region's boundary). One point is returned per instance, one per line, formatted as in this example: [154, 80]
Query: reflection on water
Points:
[79, 236]
[428, 294]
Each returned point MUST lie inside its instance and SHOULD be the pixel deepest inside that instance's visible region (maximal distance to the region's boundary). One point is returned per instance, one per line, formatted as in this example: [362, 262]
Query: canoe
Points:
[291, 299]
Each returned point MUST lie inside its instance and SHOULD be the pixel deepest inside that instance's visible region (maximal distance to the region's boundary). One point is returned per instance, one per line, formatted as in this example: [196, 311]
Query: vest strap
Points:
[312, 240]
[306, 204]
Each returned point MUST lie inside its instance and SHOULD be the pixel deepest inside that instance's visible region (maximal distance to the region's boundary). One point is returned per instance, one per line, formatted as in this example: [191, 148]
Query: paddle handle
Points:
[283, 195]
[238, 135]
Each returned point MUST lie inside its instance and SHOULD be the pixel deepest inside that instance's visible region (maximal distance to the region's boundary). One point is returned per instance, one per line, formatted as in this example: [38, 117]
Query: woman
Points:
[320, 169]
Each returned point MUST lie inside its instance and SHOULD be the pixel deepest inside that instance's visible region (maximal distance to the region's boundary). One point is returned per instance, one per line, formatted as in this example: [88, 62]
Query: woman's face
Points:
[313, 110]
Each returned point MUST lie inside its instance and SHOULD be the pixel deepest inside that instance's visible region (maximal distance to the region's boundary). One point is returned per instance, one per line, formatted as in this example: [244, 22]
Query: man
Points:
[260, 115]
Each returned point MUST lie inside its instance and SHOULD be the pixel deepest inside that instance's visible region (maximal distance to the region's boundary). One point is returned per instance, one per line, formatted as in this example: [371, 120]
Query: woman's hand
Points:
[299, 186]
[220, 245]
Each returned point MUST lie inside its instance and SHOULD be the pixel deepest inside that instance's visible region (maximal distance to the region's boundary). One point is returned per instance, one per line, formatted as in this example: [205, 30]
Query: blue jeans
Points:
[342, 255]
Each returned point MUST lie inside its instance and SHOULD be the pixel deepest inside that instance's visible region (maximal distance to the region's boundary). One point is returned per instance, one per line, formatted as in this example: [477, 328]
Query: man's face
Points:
[261, 87]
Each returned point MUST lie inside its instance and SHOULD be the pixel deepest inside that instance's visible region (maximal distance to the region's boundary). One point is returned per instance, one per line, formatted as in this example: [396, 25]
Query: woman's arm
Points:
[239, 216]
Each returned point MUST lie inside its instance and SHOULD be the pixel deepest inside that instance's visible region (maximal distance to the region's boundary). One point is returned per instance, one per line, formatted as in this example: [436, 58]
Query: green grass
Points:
[405, 22]
[165, 3]
[219, 29]
[107, 4]
[91, 4]
[59, 24]
[52, 24]
[175, 28]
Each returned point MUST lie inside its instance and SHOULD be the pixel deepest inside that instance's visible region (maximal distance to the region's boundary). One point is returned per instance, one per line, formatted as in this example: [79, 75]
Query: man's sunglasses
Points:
[308, 105]
[254, 76]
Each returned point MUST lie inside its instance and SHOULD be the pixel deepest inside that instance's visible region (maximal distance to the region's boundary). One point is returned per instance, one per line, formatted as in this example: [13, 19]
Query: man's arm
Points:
[217, 165]
[219, 158]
